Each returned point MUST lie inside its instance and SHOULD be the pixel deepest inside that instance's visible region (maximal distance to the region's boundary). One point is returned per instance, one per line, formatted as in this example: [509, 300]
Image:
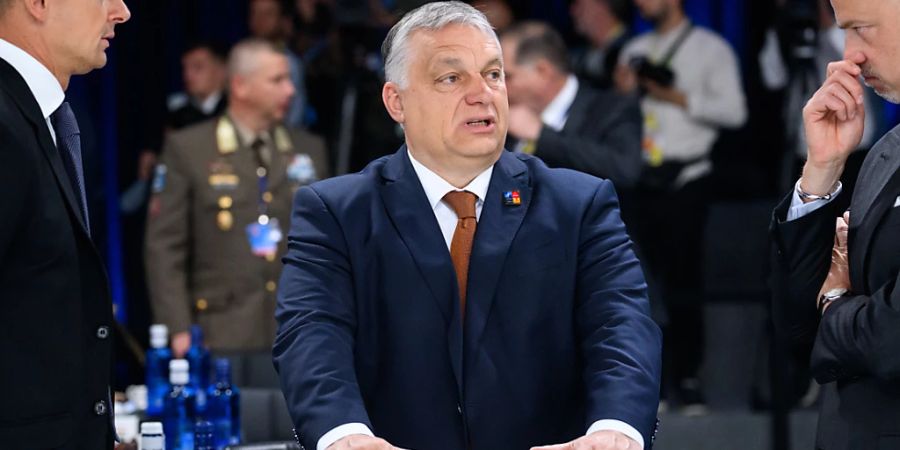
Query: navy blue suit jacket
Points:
[557, 332]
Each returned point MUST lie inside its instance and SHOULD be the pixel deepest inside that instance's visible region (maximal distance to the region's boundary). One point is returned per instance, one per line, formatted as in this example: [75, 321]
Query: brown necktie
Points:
[463, 202]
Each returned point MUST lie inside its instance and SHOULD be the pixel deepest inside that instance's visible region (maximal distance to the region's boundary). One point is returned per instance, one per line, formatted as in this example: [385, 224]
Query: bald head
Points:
[246, 56]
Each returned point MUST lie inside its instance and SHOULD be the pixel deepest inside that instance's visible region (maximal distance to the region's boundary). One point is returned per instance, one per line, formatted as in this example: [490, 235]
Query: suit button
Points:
[100, 408]
[459, 409]
[103, 332]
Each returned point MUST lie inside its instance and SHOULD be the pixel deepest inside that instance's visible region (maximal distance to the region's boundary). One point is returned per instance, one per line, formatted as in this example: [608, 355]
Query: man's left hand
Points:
[598, 440]
[839, 272]
[663, 93]
[524, 123]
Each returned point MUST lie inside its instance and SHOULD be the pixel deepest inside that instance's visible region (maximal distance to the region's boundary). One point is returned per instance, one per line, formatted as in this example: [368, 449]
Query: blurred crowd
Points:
[633, 91]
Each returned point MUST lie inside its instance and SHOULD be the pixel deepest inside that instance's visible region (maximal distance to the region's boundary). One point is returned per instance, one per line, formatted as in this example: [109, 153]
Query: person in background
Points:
[604, 24]
[690, 87]
[272, 21]
[204, 75]
[562, 120]
[498, 13]
[221, 199]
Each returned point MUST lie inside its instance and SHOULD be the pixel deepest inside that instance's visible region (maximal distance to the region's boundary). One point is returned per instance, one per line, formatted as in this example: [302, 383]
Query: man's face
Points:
[268, 88]
[79, 31]
[585, 14]
[204, 75]
[654, 11]
[522, 80]
[455, 106]
[265, 19]
[872, 30]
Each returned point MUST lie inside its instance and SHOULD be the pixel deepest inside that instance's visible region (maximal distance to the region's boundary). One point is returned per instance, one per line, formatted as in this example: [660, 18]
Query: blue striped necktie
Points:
[68, 141]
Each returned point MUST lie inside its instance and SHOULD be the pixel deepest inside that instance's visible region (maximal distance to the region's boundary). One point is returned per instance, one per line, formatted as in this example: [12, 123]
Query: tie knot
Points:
[64, 122]
[462, 202]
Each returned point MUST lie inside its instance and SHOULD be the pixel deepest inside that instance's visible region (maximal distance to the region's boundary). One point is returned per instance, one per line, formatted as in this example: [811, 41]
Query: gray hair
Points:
[244, 56]
[431, 17]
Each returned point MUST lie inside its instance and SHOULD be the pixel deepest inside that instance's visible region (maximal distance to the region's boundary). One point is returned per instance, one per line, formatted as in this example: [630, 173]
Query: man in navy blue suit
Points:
[454, 295]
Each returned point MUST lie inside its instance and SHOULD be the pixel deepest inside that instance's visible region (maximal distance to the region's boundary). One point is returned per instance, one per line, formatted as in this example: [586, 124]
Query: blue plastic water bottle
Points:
[203, 436]
[157, 373]
[198, 357]
[179, 413]
[224, 406]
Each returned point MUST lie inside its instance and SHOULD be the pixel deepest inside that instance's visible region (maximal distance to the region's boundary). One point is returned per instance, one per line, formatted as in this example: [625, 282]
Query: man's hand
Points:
[665, 94]
[181, 342]
[524, 123]
[625, 79]
[598, 440]
[361, 442]
[834, 120]
[839, 273]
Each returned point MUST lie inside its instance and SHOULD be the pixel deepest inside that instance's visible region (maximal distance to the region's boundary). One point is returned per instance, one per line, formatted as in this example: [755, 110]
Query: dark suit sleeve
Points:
[16, 174]
[620, 341]
[801, 256]
[860, 335]
[611, 149]
[316, 317]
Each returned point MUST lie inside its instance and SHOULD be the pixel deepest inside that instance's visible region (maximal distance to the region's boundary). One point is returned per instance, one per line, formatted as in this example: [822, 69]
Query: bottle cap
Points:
[178, 371]
[159, 336]
[151, 428]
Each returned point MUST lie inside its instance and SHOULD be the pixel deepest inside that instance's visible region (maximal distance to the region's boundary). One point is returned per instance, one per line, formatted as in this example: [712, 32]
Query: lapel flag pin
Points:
[512, 198]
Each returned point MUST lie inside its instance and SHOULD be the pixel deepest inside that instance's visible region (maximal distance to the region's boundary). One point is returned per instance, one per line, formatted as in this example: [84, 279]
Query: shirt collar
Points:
[43, 85]
[208, 105]
[436, 187]
[556, 113]
[247, 135]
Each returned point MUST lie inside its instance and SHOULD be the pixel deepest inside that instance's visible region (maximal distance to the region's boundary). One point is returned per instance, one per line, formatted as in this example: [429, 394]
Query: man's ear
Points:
[37, 9]
[390, 95]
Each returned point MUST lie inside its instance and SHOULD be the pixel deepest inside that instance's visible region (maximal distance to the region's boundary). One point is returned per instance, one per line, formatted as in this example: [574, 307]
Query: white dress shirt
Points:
[799, 209]
[435, 189]
[556, 113]
[43, 85]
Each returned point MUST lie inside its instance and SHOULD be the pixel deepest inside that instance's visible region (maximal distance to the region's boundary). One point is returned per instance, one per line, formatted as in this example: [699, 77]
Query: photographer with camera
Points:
[689, 83]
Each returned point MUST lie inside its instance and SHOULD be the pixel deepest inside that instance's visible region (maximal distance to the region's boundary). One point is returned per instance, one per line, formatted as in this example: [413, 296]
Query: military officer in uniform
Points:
[221, 203]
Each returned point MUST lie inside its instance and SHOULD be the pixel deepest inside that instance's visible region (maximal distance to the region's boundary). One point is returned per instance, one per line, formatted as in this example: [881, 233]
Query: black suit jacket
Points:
[602, 137]
[855, 347]
[55, 308]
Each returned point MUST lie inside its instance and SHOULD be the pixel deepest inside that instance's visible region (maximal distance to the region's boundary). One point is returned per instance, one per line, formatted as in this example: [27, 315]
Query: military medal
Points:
[225, 220]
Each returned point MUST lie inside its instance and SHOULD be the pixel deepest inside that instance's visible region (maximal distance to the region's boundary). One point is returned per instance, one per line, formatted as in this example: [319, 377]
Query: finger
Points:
[847, 217]
[850, 83]
[830, 103]
[843, 66]
[850, 106]
[566, 446]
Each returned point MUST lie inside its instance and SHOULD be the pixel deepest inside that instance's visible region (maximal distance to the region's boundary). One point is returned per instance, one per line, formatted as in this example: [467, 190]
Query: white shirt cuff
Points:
[341, 432]
[621, 427]
[799, 209]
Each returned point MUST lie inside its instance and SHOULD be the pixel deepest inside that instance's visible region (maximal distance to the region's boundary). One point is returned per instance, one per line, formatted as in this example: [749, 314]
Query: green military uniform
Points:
[201, 267]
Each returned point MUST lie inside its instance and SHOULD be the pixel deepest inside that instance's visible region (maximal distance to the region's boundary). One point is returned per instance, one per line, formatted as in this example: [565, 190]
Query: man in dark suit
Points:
[843, 309]
[455, 295]
[56, 314]
[565, 122]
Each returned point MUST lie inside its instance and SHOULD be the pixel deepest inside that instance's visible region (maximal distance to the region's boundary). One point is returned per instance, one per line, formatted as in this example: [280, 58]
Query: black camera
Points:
[647, 70]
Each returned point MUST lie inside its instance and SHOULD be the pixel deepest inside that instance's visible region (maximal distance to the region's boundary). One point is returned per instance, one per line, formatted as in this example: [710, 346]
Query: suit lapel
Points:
[494, 235]
[413, 218]
[578, 111]
[871, 201]
[30, 109]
